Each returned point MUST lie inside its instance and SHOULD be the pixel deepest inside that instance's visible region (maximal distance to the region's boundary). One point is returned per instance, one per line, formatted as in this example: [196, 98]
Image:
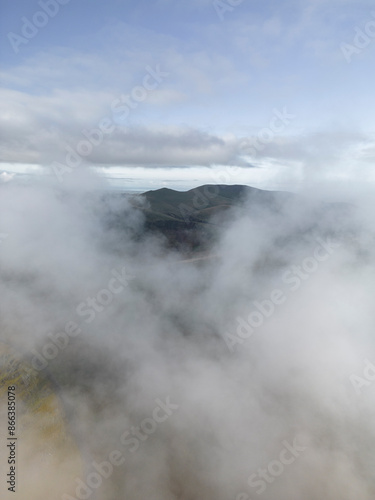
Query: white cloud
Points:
[223, 77]
[6, 177]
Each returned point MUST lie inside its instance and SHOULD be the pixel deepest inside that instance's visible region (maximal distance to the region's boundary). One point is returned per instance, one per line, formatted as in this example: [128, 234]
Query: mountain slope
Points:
[186, 218]
[167, 204]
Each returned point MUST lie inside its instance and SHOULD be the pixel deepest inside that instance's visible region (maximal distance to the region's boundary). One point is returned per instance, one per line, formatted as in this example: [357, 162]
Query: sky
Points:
[274, 94]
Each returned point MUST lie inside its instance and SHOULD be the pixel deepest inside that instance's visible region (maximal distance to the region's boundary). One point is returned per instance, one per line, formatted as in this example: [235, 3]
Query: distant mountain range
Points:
[187, 218]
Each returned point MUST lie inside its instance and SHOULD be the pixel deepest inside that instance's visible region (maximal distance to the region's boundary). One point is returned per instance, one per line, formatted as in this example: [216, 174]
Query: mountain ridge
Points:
[184, 217]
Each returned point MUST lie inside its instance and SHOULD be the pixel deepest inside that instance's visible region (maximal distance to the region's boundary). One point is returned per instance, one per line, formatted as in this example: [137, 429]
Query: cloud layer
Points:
[223, 79]
[249, 375]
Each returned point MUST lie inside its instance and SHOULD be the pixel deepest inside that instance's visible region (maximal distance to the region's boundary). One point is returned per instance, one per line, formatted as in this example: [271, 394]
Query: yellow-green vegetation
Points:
[37, 403]
[45, 445]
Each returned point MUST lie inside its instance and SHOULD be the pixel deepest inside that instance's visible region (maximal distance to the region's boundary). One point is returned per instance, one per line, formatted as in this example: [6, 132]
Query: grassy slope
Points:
[184, 218]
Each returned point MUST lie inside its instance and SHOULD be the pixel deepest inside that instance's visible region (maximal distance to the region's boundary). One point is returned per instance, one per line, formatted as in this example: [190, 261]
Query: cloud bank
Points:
[250, 375]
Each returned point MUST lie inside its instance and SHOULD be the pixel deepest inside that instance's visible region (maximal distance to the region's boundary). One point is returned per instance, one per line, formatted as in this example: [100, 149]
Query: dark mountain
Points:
[187, 219]
[198, 204]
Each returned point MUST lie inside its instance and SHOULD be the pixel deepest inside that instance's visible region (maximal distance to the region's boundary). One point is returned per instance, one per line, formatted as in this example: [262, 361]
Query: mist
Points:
[247, 375]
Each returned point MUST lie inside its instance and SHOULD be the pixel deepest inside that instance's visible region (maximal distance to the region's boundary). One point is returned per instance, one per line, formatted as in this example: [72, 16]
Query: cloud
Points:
[166, 146]
[330, 153]
[6, 177]
[39, 129]
[224, 80]
[162, 341]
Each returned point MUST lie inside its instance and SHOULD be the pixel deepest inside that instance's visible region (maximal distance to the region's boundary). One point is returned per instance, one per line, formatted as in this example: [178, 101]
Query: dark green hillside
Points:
[167, 204]
[187, 219]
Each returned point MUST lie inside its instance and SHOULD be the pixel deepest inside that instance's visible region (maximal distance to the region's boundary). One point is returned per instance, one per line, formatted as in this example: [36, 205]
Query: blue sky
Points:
[225, 70]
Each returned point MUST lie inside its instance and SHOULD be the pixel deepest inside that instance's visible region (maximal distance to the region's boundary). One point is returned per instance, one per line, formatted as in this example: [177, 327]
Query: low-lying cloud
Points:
[158, 404]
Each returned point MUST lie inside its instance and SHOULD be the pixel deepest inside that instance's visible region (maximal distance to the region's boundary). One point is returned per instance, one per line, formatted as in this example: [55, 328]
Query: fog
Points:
[247, 375]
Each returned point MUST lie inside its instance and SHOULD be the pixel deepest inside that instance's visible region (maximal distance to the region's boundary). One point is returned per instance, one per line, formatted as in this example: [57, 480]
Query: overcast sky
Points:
[182, 90]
